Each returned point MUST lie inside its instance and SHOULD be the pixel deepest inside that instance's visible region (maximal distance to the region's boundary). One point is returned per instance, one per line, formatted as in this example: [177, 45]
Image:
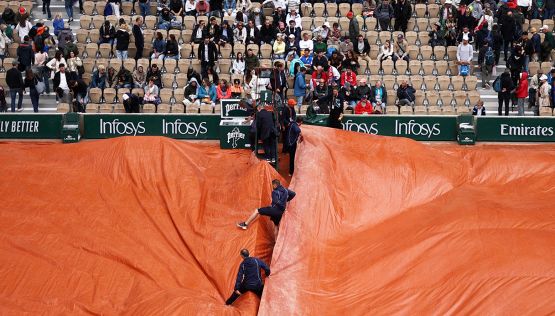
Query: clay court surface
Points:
[380, 226]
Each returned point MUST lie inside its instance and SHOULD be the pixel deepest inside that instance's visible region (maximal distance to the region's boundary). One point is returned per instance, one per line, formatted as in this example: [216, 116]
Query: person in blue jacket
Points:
[207, 91]
[300, 87]
[249, 277]
[280, 197]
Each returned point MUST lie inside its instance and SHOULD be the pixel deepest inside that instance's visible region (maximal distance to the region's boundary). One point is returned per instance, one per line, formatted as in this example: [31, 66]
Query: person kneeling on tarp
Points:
[249, 277]
[280, 197]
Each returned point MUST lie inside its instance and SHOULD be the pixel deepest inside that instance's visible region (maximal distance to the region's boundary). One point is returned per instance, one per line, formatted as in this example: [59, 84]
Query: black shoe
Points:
[242, 225]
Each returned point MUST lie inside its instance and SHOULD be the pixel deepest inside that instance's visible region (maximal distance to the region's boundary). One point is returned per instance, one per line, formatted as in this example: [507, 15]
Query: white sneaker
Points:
[57, 102]
[19, 110]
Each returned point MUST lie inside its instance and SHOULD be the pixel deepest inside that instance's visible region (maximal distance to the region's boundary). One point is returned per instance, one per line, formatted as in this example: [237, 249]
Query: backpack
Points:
[497, 85]
[489, 58]
[464, 70]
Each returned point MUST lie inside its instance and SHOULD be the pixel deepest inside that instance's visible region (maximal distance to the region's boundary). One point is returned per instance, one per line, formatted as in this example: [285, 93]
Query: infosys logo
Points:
[178, 127]
[371, 128]
[117, 127]
[417, 129]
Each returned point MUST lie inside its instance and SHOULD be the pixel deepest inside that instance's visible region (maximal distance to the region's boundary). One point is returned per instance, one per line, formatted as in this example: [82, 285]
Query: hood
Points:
[523, 76]
[193, 79]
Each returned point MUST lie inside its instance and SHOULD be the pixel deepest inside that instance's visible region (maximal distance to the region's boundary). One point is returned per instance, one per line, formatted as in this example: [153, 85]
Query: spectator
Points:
[465, 53]
[226, 35]
[131, 103]
[165, 18]
[70, 47]
[75, 64]
[294, 30]
[535, 43]
[516, 64]
[122, 44]
[213, 29]
[112, 78]
[363, 89]
[486, 61]
[176, 7]
[252, 33]
[405, 94]
[300, 87]
[364, 106]
[190, 7]
[279, 47]
[61, 84]
[191, 93]
[54, 63]
[236, 89]
[522, 92]
[384, 13]
[155, 74]
[465, 33]
[436, 35]
[238, 66]
[206, 93]
[295, 64]
[43, 71]
[534, 90]
[362, 48]
[99, 78]
[320, 90]
[172, 48]
[346, 46]
[482, 35]
[307, 60]
[320, 60]
[202, 8]
[348, 76]
[401, 49]
[152, 93]
[292, 46]
[208, 55]
[544, 93]
[125, 79]
[139, 77]
[504, 95]
[4, 41]
[23, 28]
[322, 33]
[386, 51]
[144, 6]
[240, 34]
[199, 32]
[497, 42]
[68, 4]
[223, 91]
[353, 26]
[158, 47]
[278, 81]
[479, 109]
[336, 59]
[267, 33]
[212, 75]
[25, 55]
[16, 85]
[58, 24]
[139, 37]
[306, 43]
[79, 90]
[548, 45]
[402, 13]
[107, 33]
[378, 97]
[319, 75]
[350, 61]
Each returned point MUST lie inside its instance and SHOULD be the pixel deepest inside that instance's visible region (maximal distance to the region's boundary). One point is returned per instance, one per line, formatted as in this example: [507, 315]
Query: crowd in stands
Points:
[384, 57]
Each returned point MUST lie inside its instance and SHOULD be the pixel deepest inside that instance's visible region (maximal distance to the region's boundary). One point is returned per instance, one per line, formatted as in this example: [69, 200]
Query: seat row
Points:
[15, 5]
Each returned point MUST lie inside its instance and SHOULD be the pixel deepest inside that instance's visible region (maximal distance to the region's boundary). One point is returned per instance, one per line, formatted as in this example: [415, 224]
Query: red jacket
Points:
[352, 78]
[315, 79]
[522, 88]
[364, 107]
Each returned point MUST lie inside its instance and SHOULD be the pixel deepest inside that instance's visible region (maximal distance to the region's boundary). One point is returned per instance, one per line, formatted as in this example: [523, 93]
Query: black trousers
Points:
[234, 296]
[292, 152]
[139, 53]
[503, 97]
[269, 145]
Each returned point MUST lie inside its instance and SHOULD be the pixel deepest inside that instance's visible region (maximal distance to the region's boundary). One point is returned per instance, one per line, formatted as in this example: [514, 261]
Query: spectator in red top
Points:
[319, 74]
[522, 92]
[223, 91]
[364, 106]
[350, 77]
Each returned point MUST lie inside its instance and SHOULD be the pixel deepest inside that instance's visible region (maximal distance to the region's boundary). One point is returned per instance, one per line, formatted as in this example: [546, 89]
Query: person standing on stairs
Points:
[504, 96]
[280, 197]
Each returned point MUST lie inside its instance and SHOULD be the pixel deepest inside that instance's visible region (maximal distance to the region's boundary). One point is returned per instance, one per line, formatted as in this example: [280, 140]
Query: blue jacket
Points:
[293, 133]
[249, 273]
[159, 46]
[58, 26]
[280, 197]
[202, 93]
[300, 85]
[98, 81]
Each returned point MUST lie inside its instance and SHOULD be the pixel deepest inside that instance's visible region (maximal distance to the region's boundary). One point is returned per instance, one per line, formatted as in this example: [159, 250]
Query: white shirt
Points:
[306, 44]
[190, 6]
[63, 82]
[296, 18]
[465, 52]
[206, 53]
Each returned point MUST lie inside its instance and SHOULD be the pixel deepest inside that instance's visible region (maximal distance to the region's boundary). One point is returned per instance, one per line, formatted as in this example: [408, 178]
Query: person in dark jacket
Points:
[402, 13]
[504, 96]
[248, 277]
[107, 34]
[155, 74]
[508, 30]
[122, 43]
[25, 54]
[405, 94]
[79, 90]
[335, 100]
[208, 55]
[293, 136]
[139, 37]
[31, 83]
[266, 128]
[16, 85]
[278, 81]
[131, 103]
[280, 197]
[172, 48]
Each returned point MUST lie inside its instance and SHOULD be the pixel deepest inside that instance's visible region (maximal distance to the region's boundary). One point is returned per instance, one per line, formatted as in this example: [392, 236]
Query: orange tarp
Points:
[389, 226]
[136, 226]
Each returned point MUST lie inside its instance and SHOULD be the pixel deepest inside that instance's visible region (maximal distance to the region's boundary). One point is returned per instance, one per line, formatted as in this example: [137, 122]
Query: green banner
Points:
[39, 126]
[423, 128]
[515, 129]
[171, 125]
